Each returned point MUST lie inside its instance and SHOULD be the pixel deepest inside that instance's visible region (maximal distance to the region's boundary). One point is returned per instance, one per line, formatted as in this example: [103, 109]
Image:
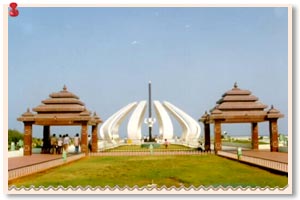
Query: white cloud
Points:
[187, 26]
[135, 42]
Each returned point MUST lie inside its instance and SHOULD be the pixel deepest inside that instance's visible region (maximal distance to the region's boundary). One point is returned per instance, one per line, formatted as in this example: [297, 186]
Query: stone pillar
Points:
[46, 140]
[254, 139]
[84, 138]
[218, 145]
[207, 136]
[273, 135]
[27, 138]
[95, 138]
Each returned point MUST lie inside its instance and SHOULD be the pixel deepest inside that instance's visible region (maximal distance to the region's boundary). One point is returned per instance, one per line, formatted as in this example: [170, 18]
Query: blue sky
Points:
[106, 56]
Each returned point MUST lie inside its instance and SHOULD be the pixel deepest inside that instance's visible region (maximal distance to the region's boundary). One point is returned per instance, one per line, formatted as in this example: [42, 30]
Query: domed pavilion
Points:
[60, 109]
[240, 106]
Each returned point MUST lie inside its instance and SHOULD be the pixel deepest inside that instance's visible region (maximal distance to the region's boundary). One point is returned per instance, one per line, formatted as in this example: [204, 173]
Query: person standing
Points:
[66, 142]
[90, 143]
[166, 143]
[53, 142]
[59, 144]
[200, 147]
[76, 143]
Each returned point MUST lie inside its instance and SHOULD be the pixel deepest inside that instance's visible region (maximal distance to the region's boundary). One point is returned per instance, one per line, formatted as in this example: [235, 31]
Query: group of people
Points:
[62, 142]
[59, 144]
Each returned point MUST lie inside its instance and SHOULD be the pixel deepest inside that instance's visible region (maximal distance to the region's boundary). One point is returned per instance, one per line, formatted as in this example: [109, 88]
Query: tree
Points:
[14, 136]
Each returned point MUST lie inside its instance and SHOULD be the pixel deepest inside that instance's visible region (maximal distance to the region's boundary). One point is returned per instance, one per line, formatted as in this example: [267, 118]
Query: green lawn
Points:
[157, 147]
[242, 141]
[168, 170]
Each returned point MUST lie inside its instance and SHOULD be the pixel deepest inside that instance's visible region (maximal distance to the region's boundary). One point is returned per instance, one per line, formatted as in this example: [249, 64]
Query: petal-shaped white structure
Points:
[190, 128]
[184, 125]
[164, 121]
[134, 127]
[110, 128]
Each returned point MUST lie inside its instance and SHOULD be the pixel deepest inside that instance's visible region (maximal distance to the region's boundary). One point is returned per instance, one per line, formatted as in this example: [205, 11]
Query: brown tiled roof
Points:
[61, 102]
[237, 105]
[230, 106]
[61, 108]
[238, 99]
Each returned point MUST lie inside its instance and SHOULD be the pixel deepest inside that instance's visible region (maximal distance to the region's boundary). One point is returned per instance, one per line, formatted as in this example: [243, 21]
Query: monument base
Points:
[148, 140]
[147, 145]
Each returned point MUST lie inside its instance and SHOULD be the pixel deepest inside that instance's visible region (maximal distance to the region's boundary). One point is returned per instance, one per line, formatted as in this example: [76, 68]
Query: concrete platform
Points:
[272, 160]
[26, 165]
[267, 155]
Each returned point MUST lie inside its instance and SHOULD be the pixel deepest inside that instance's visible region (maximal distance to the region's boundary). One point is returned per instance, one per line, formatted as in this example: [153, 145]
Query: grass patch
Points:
[171, 147]
[171, 170]
[242, 141]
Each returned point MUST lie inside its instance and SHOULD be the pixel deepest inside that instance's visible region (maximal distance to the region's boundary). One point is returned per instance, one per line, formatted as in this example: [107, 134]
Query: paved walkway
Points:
[273, 160]
[26, 165]
[265, 154]
[22, 161]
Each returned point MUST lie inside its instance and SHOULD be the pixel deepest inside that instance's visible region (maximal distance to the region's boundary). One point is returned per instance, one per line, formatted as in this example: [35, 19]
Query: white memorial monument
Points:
[190, 133]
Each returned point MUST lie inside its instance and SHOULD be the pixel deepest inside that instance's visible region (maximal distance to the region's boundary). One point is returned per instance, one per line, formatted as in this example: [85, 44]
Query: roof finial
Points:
[65, 88]
[272, 107]
[235, 85]
[28, 109]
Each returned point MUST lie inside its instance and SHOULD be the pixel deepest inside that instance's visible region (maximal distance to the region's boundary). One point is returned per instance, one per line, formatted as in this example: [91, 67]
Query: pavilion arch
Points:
[61, 109]
[239, 106]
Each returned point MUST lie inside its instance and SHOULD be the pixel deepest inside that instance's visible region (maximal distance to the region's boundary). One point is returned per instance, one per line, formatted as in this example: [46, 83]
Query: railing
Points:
[139, 145]
[145, 153]
[276, 165]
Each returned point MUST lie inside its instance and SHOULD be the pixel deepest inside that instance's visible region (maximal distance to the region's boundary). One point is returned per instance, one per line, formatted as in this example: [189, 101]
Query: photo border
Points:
[126, 190]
